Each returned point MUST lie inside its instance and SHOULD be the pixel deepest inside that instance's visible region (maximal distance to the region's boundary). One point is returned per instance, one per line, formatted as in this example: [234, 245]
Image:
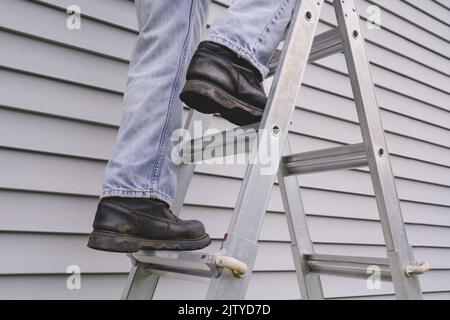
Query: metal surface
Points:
[345, 157]
[301, 244]
[242, 237]
[220, 144]
[324, 45]
[141, 284]
[198, 263]
[187, 259]
[348, 269]
[186, 171]
[347, 265]
[399, 250]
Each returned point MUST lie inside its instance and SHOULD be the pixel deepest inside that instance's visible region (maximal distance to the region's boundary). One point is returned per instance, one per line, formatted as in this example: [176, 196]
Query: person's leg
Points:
[253, 29]
[226, 71]
[169, 34]
[140, 179]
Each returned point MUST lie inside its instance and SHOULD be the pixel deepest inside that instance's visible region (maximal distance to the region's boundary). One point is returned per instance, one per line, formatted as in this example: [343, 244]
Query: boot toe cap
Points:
[195, 229]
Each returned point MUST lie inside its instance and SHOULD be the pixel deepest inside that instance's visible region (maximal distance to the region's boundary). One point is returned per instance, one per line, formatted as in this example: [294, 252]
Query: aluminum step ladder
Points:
[230, 269]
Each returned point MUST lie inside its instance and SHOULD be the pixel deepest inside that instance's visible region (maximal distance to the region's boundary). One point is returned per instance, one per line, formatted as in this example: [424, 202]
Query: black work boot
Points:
[133, 224]
[218, 81]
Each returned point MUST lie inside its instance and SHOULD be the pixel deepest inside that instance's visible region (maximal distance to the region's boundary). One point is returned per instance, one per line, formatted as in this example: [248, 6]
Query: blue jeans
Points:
[170, 31]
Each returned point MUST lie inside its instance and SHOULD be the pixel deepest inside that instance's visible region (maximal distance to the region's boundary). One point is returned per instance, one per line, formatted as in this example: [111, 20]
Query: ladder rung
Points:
[184, 262]
[347, 265]
[202, 264]
[345, 157]
[220, 144]
[178, 272]
[324, 45]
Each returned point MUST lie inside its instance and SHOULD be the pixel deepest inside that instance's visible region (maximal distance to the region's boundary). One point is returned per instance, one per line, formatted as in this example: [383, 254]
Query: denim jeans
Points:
[170, 31]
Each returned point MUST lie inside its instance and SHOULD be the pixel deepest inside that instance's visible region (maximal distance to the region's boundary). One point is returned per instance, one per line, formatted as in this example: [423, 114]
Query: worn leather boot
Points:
[218, 81]
[133, 224]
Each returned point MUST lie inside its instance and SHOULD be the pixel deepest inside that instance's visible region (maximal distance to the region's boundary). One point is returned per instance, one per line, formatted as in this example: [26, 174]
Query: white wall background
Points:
[60, 102]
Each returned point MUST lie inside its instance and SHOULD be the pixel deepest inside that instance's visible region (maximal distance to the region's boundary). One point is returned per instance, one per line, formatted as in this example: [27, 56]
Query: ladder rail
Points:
[301, 244]
[399, 251]
[243, 233]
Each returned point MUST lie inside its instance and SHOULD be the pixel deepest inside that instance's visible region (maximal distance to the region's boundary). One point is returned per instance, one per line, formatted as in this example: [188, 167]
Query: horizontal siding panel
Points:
[432, 121]
[41, 212]
[66, 64]
[56, 98]
[121, 13]
[349, 133]
[53, 287]
[39, 172]
[115, 88]
[56, 138]
[275, 285]
[414, 48]
[29, 171]
[107, 286]
[51, 24]
[46, 134]
[437, 9]
[326, 229]
[413, 16]
[394, 19]
[52, 134]
[52, 254]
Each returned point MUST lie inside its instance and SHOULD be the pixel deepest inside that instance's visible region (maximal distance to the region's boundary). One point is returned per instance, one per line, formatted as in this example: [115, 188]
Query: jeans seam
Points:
[276, 15]
[155, 173]
[146, 193]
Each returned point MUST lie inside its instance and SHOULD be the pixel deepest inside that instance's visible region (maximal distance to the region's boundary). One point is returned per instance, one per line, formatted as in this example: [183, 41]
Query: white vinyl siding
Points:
[60, 104]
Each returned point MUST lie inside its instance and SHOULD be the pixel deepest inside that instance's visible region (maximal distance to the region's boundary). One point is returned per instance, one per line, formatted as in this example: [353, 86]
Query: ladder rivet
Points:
[308, 15]
[381, 152]
[276, 130]
[355, 34]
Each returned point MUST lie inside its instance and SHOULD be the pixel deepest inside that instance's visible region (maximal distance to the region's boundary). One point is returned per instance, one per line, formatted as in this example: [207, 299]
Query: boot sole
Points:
[208, 98]
[115, 242]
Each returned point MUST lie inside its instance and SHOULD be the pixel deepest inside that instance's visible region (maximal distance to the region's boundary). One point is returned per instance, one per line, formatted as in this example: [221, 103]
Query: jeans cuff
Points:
[153, 194]
[241, 52]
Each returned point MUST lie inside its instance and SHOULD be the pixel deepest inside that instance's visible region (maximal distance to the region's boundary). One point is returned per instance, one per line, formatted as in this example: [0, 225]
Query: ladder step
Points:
[347, 265]
[219, 144]
[345, 157]
[324, 45]
[191, 263]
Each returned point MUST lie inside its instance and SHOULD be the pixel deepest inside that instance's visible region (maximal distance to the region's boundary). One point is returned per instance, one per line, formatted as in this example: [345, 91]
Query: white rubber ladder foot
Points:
[418, 269]
[238, 268]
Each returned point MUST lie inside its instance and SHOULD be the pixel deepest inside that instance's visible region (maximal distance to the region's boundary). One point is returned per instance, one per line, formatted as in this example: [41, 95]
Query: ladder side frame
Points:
[398, 249]
[245, 226]
[301, 245]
